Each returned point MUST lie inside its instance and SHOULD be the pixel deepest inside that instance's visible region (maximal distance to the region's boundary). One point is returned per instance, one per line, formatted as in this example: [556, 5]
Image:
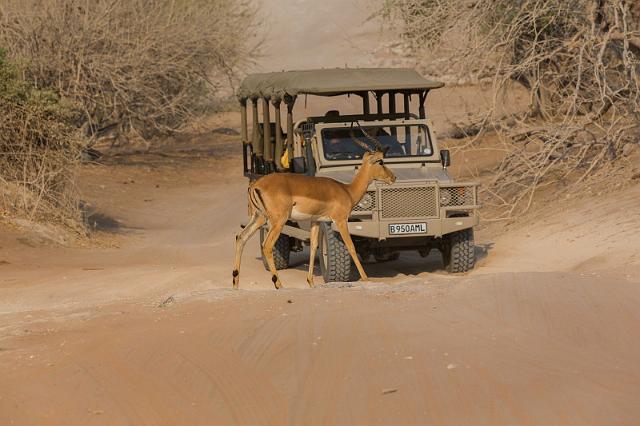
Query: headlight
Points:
[366, 202]
[445, 197]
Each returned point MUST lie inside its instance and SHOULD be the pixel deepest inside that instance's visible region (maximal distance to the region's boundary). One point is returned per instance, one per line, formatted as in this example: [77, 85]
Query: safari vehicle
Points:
[423, 210]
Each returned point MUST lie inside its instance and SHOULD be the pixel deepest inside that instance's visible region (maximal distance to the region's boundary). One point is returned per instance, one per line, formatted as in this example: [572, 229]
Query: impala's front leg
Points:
[267, 249]
[254, 224]
[313, 239]
[346, 237]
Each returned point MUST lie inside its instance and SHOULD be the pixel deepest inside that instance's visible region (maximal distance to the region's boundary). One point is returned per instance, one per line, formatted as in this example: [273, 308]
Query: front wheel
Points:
[335, 261]
[458, 251]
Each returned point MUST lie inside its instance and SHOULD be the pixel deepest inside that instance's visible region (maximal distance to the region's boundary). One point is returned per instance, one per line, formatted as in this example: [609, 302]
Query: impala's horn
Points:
[358, 141]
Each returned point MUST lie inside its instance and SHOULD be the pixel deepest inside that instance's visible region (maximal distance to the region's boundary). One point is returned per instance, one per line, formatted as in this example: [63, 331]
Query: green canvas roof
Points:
[329, 82]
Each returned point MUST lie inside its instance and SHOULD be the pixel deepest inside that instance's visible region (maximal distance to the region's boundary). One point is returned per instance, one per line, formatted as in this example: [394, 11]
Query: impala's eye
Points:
[380, 162]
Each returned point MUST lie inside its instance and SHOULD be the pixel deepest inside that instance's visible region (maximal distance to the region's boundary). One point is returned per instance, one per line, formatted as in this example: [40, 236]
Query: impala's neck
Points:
[359, 184]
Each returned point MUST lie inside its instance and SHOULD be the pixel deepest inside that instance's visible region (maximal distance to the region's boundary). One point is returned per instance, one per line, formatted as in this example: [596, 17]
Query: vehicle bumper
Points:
[436, 227]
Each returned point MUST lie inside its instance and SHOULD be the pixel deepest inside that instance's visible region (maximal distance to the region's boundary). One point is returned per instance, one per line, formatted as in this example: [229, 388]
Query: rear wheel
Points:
[335, 261]
[458, 251]
[281, 250]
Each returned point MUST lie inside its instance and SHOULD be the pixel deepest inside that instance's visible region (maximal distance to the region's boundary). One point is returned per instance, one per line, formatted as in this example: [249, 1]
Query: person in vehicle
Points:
[339, 143]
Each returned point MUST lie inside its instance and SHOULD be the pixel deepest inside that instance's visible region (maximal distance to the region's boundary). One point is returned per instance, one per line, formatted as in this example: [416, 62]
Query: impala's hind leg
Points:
[267, 249]
[315, 228]
[256, 221]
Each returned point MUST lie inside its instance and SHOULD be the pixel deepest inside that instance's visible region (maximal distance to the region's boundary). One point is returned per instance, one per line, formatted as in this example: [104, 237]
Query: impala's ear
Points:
[369, 157]
[386, 149]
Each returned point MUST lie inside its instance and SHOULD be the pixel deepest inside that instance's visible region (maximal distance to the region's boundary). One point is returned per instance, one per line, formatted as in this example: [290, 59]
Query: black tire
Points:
[281, 251]
[458, 251]
[335, 261]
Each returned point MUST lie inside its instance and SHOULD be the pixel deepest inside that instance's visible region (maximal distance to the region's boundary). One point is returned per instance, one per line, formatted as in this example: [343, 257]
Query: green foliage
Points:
[9, 84]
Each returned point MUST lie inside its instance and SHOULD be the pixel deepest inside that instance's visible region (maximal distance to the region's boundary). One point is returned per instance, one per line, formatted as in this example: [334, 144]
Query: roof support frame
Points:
[266, 133]
[422, 99]
[244, 132]
[256, 141]
[279, 149]
[392, 110]
[379, 102]
[366, 107]
[407, 103]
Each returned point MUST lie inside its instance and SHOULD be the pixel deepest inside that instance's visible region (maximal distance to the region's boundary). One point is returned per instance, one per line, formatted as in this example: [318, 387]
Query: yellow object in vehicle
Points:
[284, 160]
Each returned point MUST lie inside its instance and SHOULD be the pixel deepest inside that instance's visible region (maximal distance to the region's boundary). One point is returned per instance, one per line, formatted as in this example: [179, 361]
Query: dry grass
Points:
[135, 67]
[76, 71]
[578, 59]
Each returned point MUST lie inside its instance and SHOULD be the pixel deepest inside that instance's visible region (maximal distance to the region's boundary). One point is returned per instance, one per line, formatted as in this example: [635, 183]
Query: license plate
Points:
[407, 228]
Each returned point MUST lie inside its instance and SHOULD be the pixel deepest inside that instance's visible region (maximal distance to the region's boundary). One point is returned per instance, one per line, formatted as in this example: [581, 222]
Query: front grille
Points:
[409, 202]
[457, 196]
[373, 203]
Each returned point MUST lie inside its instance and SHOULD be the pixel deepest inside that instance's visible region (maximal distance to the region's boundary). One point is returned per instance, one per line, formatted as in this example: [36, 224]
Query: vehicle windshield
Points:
[350, 143]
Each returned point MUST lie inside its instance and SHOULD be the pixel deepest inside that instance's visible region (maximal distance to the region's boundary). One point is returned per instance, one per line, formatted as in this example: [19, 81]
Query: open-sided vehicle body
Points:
[424, 209]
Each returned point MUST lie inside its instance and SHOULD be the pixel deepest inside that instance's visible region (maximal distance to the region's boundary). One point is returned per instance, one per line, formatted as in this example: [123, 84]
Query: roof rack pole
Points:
[243, 132]
[407, 116]
[392, 110]
[379, 102]
[279, 144]
[423, 97]
[243, 120]
[407, 108]
[392, 102]
[266, 132]
[293, 152]
[366, 108]
[257, 142]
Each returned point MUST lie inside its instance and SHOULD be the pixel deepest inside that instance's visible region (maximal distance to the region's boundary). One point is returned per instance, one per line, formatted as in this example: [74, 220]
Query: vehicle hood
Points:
[402, 174]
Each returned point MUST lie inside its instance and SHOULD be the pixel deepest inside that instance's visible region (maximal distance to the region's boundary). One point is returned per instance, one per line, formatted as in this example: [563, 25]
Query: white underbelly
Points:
[298, 215]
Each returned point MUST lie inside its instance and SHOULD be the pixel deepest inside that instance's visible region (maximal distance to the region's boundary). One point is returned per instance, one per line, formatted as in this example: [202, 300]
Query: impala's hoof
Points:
[276, 282]
[236, 278]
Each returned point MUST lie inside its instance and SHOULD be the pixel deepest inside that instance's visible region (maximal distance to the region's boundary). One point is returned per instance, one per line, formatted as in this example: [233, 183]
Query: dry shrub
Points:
[38, 151]
[84, 69]
[578, 59]
[142, 67]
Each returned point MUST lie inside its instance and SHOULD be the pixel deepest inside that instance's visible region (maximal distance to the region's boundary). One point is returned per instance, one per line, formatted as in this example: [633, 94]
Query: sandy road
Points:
[503, 349]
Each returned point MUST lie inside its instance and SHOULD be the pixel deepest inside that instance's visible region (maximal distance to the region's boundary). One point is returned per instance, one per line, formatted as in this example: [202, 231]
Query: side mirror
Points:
[445, 158]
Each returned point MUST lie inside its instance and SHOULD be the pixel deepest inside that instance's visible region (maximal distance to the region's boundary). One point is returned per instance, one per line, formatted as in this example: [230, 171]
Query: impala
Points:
[278, 197]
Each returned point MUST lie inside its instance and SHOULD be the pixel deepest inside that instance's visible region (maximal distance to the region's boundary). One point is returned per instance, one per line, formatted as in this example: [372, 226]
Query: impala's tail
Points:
[256, 203]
